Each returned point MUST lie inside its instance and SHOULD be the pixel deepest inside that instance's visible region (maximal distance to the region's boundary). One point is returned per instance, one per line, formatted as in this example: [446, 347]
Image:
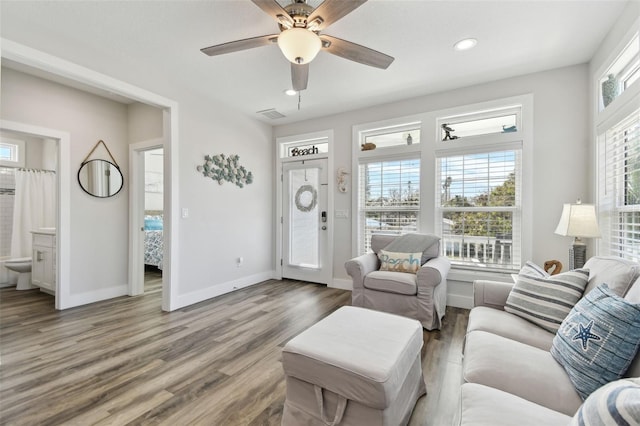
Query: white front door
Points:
[305, 221]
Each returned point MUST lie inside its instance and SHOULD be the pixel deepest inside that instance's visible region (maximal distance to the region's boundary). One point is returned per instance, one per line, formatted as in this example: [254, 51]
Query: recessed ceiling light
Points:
[290, 92]
[465, 44]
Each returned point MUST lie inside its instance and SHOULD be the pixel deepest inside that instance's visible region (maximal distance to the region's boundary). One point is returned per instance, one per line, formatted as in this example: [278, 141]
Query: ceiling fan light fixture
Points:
[465, 44]
[299, 45]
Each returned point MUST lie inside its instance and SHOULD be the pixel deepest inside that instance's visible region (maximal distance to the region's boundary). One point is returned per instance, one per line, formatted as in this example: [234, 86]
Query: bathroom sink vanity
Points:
[43, 269]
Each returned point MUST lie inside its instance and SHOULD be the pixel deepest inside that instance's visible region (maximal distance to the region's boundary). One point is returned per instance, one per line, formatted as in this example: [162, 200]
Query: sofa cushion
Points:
[546, 301]
[616, 403]
[391, 282]
[522, 370]
[399, 262]
[508, 325]
[485, 406]
[633, 295]
[533, 270]
[598, 340]
[618, 273]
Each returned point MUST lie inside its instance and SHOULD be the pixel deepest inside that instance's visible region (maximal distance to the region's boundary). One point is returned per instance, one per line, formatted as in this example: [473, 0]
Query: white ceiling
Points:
[157, 44]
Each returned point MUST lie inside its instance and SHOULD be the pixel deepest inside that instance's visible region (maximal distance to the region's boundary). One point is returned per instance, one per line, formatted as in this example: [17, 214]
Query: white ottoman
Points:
[355, 367]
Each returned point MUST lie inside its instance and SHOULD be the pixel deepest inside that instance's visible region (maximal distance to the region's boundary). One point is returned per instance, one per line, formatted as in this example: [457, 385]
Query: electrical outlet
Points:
[239, 261]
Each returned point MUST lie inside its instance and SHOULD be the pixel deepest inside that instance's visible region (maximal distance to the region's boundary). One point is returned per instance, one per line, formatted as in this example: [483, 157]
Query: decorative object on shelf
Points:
[579, 221]
[368, 146]
[100, 178]
[509, 129]
[609, 89]
[342, 179]
[447, 132]
[555, 264]
[409, 139]
[306, 198]
[222, 168]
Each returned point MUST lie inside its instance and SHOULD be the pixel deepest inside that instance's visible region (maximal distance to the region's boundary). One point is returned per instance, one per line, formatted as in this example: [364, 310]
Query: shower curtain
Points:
[34, 207]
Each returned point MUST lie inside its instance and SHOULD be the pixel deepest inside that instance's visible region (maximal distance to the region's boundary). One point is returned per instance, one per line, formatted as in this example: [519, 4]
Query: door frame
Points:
[63, 226]
[50, 64]
[280, 146]
[136, 213]
[323, 274]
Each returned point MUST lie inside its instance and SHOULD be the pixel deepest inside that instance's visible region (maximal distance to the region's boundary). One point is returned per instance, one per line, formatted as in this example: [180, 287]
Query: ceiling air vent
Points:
[271, 113]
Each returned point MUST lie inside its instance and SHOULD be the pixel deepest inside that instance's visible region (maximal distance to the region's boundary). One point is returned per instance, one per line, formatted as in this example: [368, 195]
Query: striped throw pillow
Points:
[546, 301]
[533, 270]
[616, 403]
[598, 340]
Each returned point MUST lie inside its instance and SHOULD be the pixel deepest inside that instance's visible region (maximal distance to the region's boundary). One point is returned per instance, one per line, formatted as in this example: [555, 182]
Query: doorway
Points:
[61, 150]
[305, 254]
[153, 219]
[147, 217]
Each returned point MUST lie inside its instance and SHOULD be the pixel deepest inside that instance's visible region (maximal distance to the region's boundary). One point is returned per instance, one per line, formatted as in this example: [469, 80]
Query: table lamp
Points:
[579, 221]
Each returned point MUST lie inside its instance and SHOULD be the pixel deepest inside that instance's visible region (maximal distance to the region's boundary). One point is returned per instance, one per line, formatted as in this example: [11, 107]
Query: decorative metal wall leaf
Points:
[222, 168]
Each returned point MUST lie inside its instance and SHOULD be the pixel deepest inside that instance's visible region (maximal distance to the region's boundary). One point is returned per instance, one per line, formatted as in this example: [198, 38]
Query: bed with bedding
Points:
[153, 240]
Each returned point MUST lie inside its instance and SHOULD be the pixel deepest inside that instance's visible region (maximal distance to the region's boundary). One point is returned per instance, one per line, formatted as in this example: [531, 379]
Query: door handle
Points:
[324, 228]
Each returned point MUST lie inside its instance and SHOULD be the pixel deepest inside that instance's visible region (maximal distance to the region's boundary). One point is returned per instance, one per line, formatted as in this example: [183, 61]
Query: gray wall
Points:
[99, 234]
[560, 159]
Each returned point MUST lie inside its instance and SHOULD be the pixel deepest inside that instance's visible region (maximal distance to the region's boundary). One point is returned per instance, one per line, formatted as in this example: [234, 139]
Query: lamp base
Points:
[577, 256]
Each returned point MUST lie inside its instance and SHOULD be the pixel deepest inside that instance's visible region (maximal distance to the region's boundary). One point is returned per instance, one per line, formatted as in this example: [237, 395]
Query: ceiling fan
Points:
[300, 39]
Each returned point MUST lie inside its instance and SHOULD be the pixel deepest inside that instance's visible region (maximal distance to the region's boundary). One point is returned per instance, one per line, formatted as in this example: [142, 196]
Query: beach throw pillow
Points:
[616, 403]
[546, 301]
[413, 243]
[399, 262]
[597, 340]
[533, 270]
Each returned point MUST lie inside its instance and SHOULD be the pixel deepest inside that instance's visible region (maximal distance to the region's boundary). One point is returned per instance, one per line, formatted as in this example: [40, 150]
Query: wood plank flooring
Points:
[125, 362]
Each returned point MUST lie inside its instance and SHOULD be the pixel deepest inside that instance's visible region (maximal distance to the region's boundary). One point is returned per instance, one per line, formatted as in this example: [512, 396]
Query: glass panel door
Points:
[305, 220]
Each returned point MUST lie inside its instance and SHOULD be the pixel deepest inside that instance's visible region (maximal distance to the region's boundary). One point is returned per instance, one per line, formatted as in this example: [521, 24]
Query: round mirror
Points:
[100, 178]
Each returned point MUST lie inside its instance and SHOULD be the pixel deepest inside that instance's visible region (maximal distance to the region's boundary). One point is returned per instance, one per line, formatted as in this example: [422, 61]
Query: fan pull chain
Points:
[299, 99]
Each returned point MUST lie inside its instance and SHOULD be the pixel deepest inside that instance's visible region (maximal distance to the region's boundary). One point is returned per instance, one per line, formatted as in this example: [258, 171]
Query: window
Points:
[304, 148]
[394, 137]
[389, 198]
[619, 189]
[479, 189]
[623, 72]
[387, 160]
[12, 152]
[503, 120]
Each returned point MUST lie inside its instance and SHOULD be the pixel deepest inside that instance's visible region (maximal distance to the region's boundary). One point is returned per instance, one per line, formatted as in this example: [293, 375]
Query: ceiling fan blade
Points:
[355, 52]
[299, 76]
[234, 46]
[277, 12]
[330, 11]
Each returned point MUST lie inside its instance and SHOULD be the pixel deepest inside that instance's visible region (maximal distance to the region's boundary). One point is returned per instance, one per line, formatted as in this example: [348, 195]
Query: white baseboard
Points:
[341, 283]
[95, 296]
[459, 301]
[222, 288]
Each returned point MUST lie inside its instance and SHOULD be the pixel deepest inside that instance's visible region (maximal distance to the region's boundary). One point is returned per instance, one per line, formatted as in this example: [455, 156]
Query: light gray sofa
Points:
[509, 374]
[421, 296]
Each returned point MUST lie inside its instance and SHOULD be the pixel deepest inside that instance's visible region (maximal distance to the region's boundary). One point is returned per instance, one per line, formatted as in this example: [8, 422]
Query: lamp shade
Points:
[578, 220]
[299, 45]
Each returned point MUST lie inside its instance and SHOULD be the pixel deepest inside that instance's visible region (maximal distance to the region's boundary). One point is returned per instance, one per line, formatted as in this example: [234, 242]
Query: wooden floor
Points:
[124, 361]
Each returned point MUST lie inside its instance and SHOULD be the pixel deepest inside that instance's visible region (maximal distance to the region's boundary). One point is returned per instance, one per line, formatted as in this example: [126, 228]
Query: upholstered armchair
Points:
[422, 296]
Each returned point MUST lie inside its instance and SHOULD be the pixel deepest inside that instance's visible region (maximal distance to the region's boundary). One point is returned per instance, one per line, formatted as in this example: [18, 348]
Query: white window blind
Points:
[619, 189]
[389, 198]
[478, 208]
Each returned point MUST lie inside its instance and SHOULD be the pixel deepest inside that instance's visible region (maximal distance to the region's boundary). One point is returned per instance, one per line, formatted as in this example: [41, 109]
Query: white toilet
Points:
[22, 266]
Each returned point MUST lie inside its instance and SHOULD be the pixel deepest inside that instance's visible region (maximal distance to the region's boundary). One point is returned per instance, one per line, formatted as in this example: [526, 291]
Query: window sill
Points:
[469, 276]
